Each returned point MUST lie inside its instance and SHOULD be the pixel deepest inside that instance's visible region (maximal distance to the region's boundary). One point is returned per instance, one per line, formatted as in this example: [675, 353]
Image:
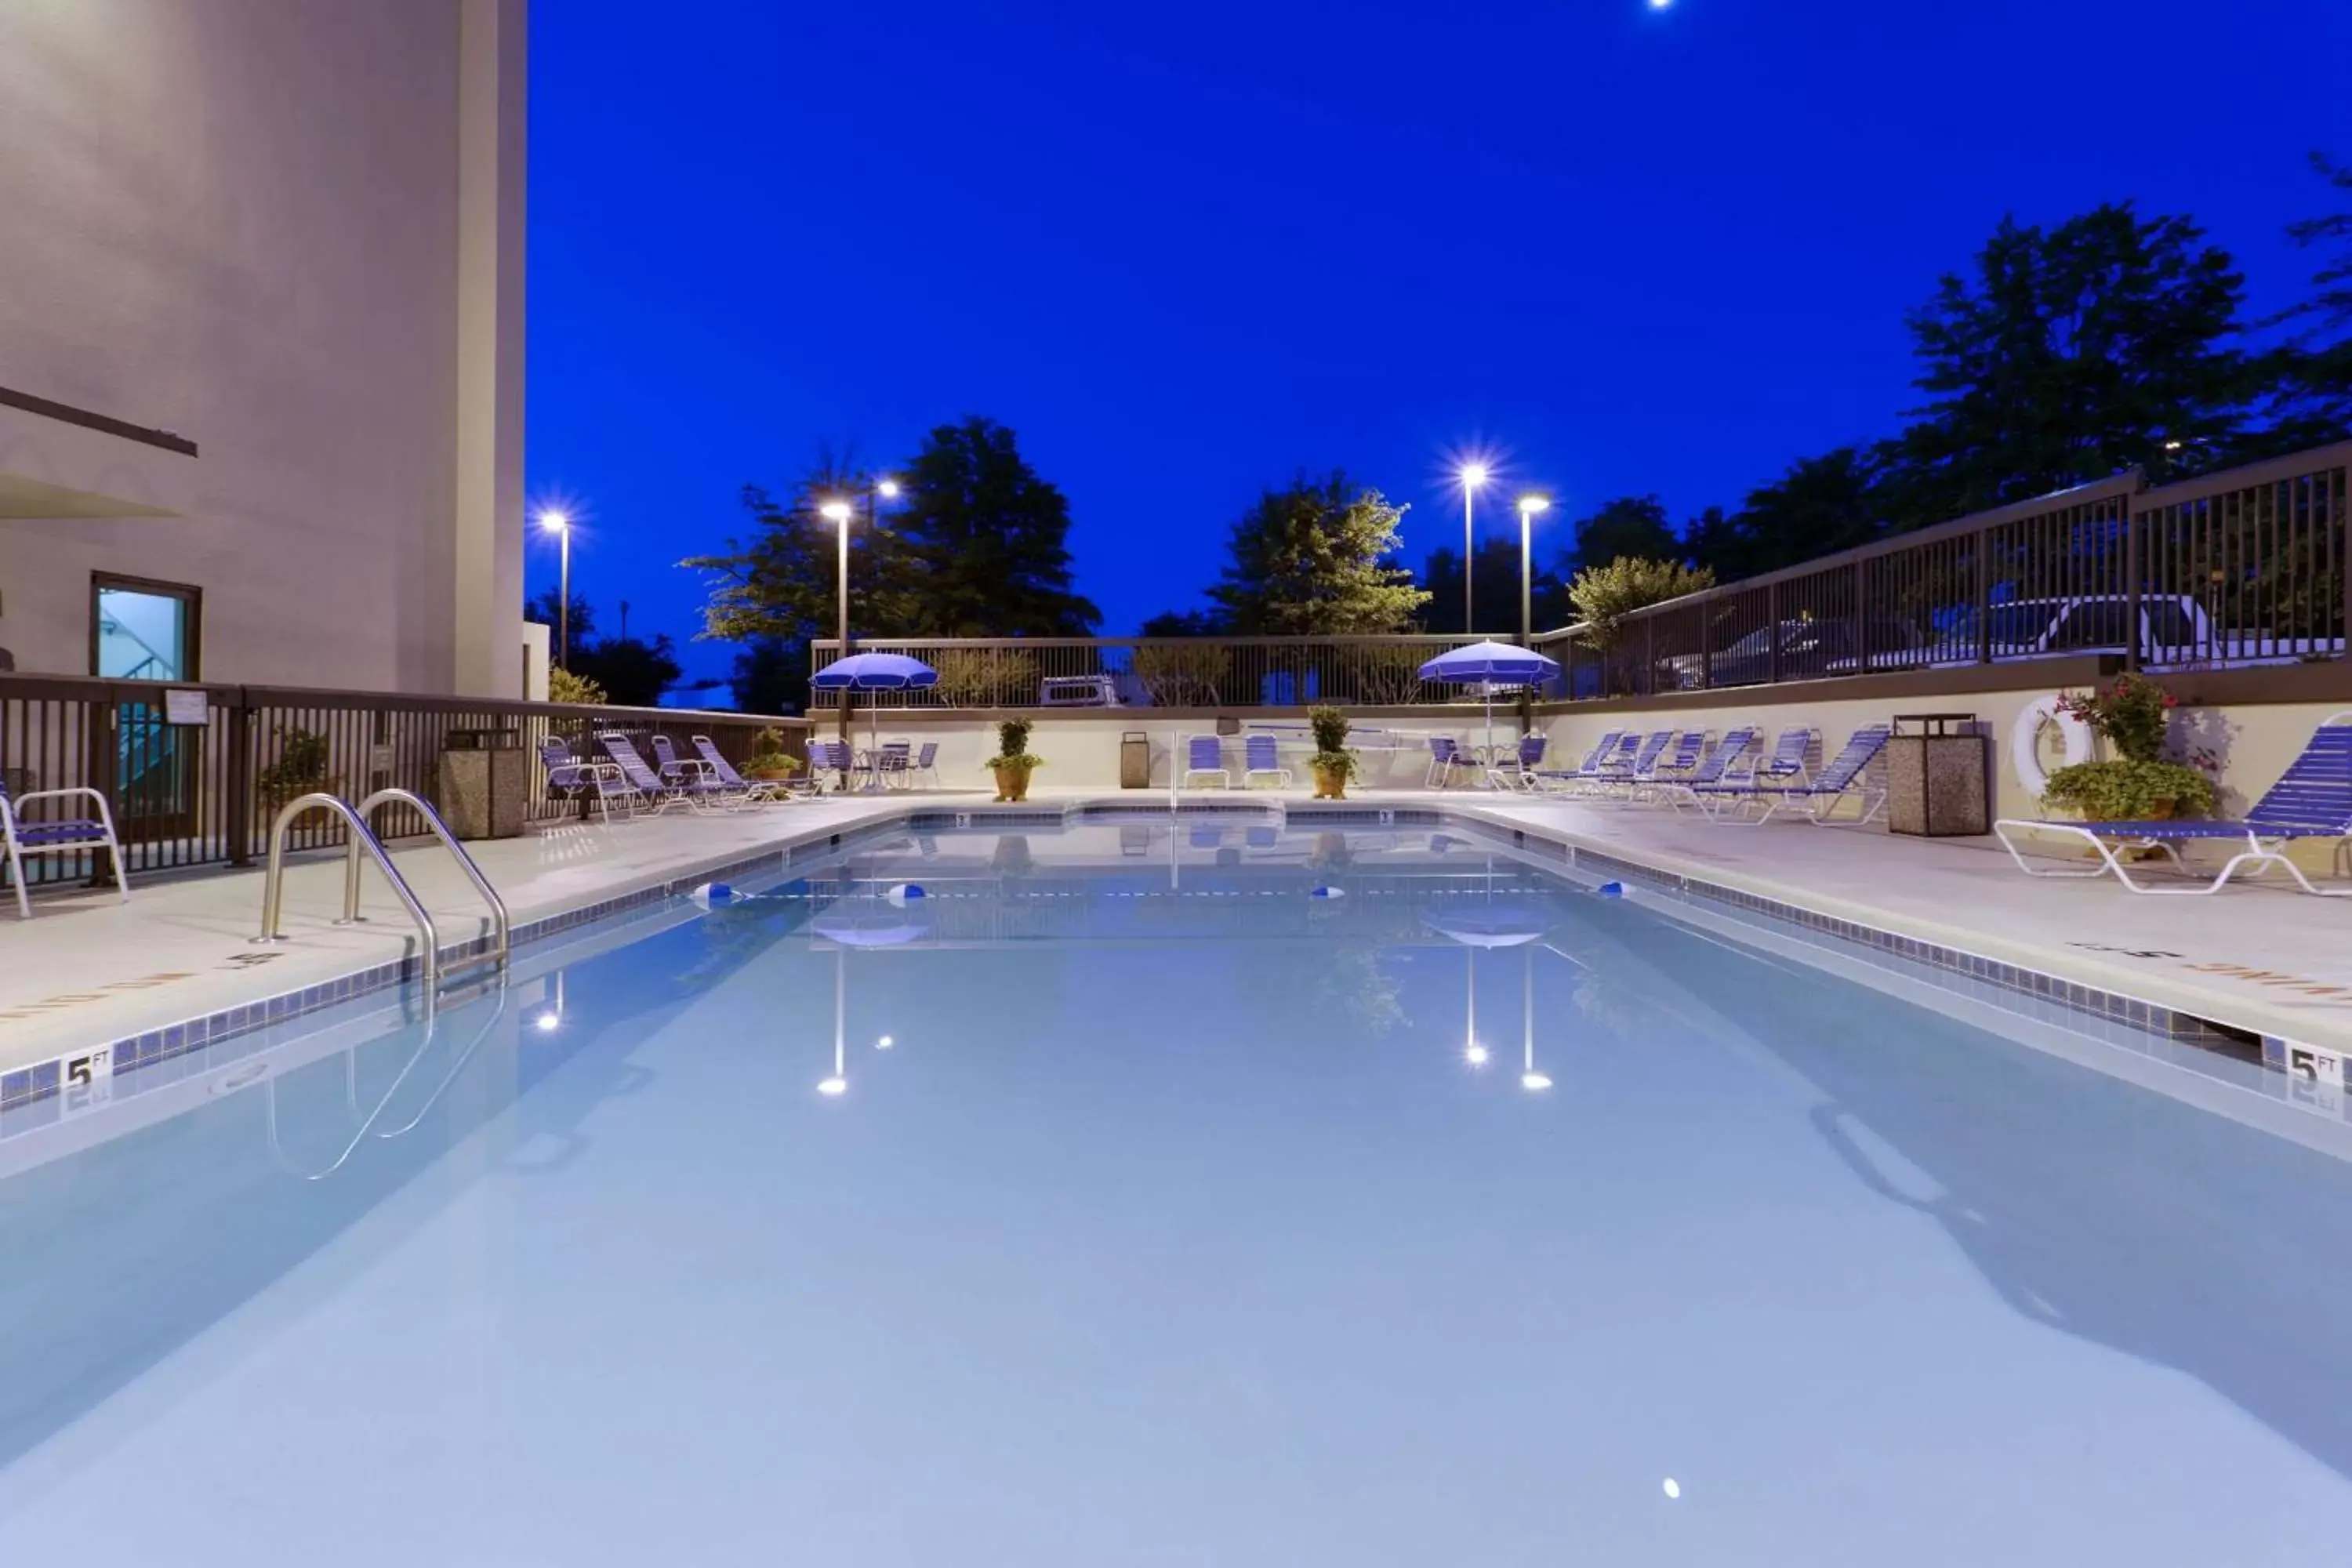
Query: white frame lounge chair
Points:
[56, 836]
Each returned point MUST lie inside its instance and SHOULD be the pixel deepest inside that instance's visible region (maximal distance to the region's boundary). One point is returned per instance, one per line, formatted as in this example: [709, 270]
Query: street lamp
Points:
[1472, 475]
[1531, 506]
[555, 523]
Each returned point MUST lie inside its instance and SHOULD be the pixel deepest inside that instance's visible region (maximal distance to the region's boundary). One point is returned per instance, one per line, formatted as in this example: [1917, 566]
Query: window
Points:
[144, 631]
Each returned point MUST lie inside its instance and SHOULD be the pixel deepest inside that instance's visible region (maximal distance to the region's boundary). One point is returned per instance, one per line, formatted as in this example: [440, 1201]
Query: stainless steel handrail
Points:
[432, 1022]
[273, 887]
[501, 928]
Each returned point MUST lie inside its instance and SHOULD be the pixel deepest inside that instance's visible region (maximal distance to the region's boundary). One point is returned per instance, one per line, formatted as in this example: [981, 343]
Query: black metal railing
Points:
[196, 784]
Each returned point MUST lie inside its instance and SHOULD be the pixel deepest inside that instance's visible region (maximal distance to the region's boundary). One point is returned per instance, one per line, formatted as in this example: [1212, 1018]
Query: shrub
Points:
[985, 677]
[2131, 715]
[563, 686]
[1182, 674]
[300, 767]
[2130, 790]
[1605, 596]
[1387, 677]
[1012, 743]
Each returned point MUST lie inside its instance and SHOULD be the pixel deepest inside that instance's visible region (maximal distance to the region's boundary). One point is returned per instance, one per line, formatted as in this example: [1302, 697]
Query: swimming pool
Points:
[1133, 1197]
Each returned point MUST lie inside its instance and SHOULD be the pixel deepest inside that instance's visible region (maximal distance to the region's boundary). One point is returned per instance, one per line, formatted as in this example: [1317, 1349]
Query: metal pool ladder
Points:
[362, 839]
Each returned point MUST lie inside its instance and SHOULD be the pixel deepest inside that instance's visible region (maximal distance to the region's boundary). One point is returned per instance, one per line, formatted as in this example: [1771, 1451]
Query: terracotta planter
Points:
[1330, 783]
[1011, 779]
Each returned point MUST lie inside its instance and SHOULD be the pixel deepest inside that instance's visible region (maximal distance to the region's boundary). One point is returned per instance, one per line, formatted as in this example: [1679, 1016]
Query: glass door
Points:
[148, 632]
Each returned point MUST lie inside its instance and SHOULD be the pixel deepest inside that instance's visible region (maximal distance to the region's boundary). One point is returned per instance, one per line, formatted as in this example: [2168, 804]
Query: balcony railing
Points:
[198, 794]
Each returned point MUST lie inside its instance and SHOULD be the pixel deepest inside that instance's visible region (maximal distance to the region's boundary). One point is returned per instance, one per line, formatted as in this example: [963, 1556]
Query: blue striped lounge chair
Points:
[834, 756]
[572, 777]
[1846, 778]
[1681, 758]
[696, 776]
[1260, 758]
[2312, 799]
[1625, 771]
[1518, 771]
[753, 789]
[652, 789]
[1205, 757]
[1683, 789]
[57, 835]
[1567, 781]
[1792, 754]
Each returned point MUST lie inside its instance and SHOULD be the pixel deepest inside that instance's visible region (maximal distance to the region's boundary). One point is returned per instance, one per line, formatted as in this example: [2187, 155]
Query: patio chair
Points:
[69, 835]
[695, 775]
[2312, 799]
[1623, 773]
[1847, 777]
[1791, 755]
[894, 764]
[1712, 769]
[1517, 770]
[753, 789]
[652, 789]
[1260, 756]
[1205, 757]
[1567, 781]
[833, 755]
[926, 760]
[570, 776]
[1444, 760]
[1681, 758]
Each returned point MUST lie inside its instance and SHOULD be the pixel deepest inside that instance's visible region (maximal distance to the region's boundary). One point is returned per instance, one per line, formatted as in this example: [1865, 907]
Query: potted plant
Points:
[1334, 765]
[1013, 763]
[2138, 783]
[768, 760]
[301, 769]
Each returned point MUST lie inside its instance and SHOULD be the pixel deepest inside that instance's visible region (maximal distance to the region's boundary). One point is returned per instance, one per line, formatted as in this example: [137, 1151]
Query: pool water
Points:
[1132, 1198]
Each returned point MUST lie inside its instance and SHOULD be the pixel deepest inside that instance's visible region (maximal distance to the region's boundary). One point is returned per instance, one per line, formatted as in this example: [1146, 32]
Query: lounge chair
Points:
[696, 776]
[753, 789]
[1259, 756]
[1517, 770]
[570, 776]
[1712, 768]
[1847, 777]
[1204, 756]
[2312, 799]
[69, 836]
[1681, 758]
[1567, 780]
[1791, 755]
[652, 789]
[1444, 760]
[1624, 773]
[835, 755]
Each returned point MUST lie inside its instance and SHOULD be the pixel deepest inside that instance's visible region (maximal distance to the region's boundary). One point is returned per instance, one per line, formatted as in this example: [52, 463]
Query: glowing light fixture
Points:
[1674, 1487]
[834, 1086]
[557, 522]
[1534, 1081]
[888, 489]
[553, 521]
[547, 1023]
[1475, 1055]
[1531, 506]
[885, 1043]
[835, 511]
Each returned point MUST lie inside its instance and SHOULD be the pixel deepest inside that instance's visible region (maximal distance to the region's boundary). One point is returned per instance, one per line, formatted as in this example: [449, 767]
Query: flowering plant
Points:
[2131, 714]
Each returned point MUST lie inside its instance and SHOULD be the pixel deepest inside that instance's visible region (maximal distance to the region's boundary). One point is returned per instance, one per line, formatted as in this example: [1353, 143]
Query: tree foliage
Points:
[1495, 583]
[2312, 370]
[1316, 559]
[1628, 526]
[1603, 595]
[2070, 355]
[990, 536]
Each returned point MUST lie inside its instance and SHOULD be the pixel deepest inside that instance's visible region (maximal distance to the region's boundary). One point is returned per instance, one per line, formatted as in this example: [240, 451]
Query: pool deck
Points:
[87, 969]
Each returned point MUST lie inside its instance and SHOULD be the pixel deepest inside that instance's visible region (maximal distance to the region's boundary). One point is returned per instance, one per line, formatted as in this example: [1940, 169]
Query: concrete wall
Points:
[291, 233]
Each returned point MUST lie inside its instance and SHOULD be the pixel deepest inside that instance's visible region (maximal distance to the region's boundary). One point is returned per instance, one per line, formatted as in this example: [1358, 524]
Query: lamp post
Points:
[1531, 506]
[558, 524]
[838, 513]
[1533, 1082]
[1473, 475]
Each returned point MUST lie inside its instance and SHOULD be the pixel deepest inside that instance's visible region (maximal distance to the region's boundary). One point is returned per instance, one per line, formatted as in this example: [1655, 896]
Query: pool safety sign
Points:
[86, 1081]
[2315, 1076]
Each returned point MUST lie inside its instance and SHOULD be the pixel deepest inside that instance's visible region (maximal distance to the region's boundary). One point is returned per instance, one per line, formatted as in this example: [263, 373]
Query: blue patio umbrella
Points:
[1490, 663]
[875, 672]
[861, 928]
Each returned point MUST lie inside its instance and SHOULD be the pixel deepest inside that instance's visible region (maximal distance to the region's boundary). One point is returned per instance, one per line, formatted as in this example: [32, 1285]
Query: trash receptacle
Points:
[485, 784]
[1135, 759]
[1938, 775]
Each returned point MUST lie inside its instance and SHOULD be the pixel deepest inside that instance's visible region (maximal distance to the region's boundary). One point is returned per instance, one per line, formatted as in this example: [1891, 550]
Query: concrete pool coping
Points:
[176, 965]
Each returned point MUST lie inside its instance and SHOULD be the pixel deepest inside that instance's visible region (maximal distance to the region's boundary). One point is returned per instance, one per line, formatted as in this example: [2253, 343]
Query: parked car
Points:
[2175, 631]
[1809, 649]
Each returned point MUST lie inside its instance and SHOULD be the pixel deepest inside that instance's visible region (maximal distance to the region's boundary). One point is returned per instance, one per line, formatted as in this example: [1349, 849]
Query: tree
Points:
[633, 671]
[1494, 580]
[770, 676]
[1183, 624]
[1316, 559]
[1820, 506]
[2312, 372]
[1630, 525]
[784, 581]
[991, 539]
[545, 609]
[2072, 353]
[1604, 595]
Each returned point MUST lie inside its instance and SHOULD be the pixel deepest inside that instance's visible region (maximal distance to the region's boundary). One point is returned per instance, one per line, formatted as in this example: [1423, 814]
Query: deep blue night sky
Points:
[1186, 250]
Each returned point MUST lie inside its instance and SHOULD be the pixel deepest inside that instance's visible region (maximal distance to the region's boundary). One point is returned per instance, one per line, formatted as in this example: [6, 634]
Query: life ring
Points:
[2025, 742]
